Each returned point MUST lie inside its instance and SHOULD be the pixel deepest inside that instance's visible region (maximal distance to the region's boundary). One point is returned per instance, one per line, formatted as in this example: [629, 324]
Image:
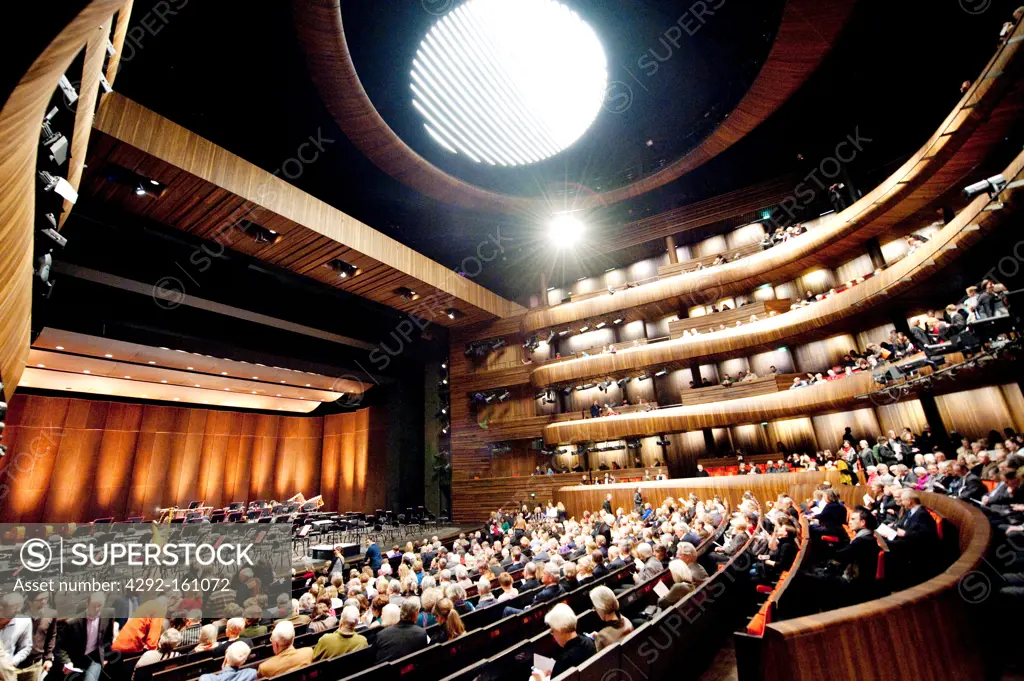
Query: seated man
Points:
[403, 638]
[575, 648]
[286, 657]
[235, 656]
[342, 641]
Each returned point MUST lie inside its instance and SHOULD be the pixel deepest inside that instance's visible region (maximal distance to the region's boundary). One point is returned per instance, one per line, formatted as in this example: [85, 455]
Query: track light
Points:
[344, 269]
[584, 329]
[540, 396]
[565, 332]
[504, 396]
[139, 184]
[600, 325]
[489, 398]
[661, 373]
[258, 233]
[623, 381]
[643, 378]
[617, 321]
[454, 313]
[406, 294]
[993, 185]
[551, 336]
[70, 96]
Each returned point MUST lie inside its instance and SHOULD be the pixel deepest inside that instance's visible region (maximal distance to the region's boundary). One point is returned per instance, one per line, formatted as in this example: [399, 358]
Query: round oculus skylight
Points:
[509, 82]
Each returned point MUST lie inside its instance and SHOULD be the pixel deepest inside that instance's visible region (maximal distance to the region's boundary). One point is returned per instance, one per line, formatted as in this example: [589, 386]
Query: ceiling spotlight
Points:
[140, 184]
[163, 381]
[584, 329]
[661, 373]
[258, 233]
[485, 82]
[41, 366]
[444, 365]
[128, 377]
[992, 185]
[190, 369]
[565, 230]
[504, 396]
[86, 372]
[406, 294]
[177, 399]
[454, 313]
[600, 325]
[60, 347]
[344, 269]
[150, 362]
[140, 190]
[108, 355]
[617, 321]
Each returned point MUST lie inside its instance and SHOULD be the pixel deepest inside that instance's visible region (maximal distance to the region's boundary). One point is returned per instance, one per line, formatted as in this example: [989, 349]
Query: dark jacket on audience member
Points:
[399, 640]
[528, 584]
[548, 593]
[573, 654]
[833, 515]
[971, 487]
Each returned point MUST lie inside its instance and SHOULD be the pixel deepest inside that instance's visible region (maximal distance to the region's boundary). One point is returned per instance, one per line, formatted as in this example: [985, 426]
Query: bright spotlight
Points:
[509, 82]
[565, 231]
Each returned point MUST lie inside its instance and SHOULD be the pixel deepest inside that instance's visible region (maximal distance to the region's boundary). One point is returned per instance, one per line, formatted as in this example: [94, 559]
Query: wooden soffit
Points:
[209, 191]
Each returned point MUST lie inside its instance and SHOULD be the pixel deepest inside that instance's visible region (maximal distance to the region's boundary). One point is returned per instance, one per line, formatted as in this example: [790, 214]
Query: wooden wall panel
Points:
[820, 356]
[1015, 404]
[829, 427]
[906, 413]
[796, 434]
[74, 460]
[975, 412]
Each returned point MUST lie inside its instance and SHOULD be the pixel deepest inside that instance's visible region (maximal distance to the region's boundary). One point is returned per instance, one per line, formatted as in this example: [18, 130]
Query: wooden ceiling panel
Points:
[209, 190]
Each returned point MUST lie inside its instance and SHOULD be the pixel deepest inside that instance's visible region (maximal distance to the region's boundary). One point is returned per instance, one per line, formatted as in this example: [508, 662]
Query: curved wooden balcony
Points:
[805, 323]
[917, 182]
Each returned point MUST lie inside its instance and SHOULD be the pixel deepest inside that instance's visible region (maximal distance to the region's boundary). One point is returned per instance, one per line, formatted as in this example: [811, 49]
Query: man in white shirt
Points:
[15, 631]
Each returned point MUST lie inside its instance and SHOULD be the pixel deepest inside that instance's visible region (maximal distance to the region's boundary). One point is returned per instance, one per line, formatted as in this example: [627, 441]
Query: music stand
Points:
[103, 521]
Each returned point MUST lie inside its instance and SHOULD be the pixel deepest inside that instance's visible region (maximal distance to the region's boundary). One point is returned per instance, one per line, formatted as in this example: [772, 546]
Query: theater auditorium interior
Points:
[589, 340]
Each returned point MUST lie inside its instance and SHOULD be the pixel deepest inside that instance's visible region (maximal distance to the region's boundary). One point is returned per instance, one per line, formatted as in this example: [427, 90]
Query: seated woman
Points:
[169, 640]
[738, 535]
[682, 584]
[617, 627]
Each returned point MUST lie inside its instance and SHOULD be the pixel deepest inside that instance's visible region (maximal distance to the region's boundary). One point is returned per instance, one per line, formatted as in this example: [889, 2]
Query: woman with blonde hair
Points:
[448, 617]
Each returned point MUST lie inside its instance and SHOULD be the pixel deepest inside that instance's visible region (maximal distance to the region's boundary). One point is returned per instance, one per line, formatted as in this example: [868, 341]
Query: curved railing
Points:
[804, 323]
[818, 245]
[934, 620]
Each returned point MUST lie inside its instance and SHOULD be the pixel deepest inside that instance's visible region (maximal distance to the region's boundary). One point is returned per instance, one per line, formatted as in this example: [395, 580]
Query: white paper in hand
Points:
[661, 589]
[638, 563]
[543, 664]
[886, 532]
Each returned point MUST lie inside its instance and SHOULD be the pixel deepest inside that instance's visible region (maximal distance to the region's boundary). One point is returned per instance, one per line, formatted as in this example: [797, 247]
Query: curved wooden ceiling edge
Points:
[804, 37]
[949, 244]
[967, 118]
[20, 118]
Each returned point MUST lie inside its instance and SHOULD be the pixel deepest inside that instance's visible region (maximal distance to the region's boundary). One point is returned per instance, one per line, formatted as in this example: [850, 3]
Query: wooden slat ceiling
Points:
[209, 190]
[805, 36]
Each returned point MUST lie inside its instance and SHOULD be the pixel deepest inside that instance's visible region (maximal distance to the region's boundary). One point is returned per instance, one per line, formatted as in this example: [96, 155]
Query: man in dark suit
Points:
[614, 559]
[575, 649]
[916, 545]
[607, 504]
[529, 577]
[600, 569]
[970, 486]
[82, 642]
[552, 589]
[402, 638]
[857, 563]
[701, 473]
[1007, 493]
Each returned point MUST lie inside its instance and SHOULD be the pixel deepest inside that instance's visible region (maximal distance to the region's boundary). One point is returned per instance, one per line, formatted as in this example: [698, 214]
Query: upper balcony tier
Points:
[980, 217]
[978, 122]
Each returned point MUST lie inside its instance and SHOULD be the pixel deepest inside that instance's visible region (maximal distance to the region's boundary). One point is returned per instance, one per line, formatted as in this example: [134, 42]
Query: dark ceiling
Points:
[234, 73]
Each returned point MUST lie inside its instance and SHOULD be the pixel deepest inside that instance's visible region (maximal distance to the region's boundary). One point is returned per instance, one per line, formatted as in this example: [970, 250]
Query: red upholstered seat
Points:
[880, 570]
[990, 485]
[829, 539]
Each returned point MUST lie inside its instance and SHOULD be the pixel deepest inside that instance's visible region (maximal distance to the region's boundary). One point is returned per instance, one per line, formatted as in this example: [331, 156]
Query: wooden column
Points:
[543, 289]
[709, 441]
[670, 244]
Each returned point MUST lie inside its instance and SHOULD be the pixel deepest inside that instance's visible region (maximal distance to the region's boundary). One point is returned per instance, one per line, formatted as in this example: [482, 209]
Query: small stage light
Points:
[565, 230]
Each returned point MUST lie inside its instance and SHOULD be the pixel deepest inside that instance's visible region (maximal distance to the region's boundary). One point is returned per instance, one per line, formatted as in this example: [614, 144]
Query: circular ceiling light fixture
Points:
[509, 82]
[565, 230]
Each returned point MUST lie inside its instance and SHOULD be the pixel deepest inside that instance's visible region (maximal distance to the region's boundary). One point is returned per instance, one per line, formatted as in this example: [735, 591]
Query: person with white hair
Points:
[483, 589]
[682, 584]
[561, 620]
[235, 656]
[390, 615]
[404, 637]
[606, 605]
[207, 638]
[344, 640]
[169, 640]
[652, 566]
[286, 656]
[687, 553]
